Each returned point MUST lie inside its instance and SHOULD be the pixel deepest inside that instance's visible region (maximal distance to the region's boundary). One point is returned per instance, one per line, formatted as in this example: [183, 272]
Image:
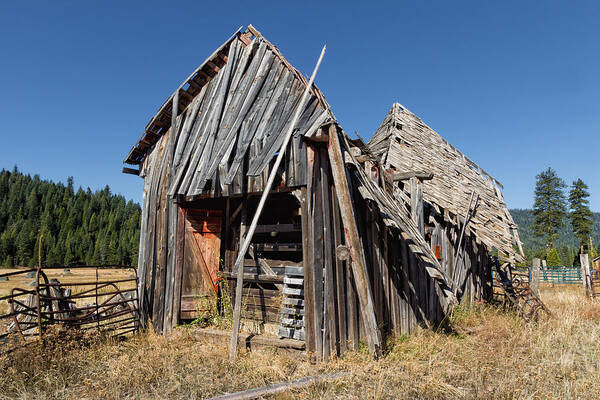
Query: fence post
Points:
[535, 276]
[585, 272]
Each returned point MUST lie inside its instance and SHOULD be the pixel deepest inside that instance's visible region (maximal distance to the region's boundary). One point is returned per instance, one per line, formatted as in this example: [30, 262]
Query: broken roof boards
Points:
[204, 158]
[405, 143]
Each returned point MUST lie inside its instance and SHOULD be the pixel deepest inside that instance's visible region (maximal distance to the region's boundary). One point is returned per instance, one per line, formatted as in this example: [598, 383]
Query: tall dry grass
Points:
[491, 354]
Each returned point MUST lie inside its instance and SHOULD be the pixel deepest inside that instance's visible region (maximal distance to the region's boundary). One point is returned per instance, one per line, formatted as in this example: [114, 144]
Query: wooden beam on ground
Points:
[280, 387]
[359, 268]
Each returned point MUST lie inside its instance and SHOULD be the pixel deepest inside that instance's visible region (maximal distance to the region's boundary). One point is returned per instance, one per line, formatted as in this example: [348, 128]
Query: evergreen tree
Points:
[77, 226]
[553, 258]
[580, 214]
[549, 206]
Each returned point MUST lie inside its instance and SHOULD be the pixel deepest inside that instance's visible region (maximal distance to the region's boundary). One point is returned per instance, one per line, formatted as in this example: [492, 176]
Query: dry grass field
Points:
[491, 354]
[73, 276]
[76, 275]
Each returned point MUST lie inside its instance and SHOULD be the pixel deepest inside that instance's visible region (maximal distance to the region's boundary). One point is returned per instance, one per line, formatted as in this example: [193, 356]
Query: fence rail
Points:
[86, 298]
[560, 275]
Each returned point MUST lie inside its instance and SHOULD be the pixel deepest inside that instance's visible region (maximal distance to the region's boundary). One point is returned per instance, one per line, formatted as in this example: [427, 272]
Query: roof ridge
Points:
[192, 85]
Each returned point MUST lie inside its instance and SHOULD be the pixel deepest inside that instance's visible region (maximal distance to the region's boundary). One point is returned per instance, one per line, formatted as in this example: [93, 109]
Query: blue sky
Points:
[514, 85]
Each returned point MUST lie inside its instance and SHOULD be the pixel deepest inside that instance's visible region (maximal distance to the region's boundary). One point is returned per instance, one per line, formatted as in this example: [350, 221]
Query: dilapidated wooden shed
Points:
[451, 189]
[336, 256]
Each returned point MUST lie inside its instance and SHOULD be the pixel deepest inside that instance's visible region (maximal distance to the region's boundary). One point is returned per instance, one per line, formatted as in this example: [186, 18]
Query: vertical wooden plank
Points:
[450, 234]
[535, 276]
[366, 225]
[161, 269]
[359, 268]
[171, 222]
[468, 293]
[483, 270]
[436, 248]
[224, 251]
[445, 246]
[374, 241]
[412, 285]
[239, 283]
[178, 273]
[416, 204]
[142, 259]
[406, 295]
[307, 258]
[397, 289]
[475, 264]
[339, 276]
[330, 343]
[420, 280]
[317, 218]
[385, 275]
[351, 308]
[392, 286]
[488, 284]
[170, 278]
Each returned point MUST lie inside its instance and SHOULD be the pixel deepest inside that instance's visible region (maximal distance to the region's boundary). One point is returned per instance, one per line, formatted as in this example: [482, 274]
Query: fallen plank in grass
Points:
[280, 387]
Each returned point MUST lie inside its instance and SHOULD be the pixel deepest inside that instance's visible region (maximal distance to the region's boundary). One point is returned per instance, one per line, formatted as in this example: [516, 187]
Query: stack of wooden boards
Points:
[292, 306]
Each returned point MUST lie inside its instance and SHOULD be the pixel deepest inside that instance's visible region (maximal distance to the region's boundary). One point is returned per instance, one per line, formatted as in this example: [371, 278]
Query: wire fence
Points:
[81, 298]
[566, 275]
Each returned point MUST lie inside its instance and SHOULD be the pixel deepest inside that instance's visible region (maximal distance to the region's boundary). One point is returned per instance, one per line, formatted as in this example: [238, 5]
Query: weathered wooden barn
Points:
[453, 189]
[336, 257]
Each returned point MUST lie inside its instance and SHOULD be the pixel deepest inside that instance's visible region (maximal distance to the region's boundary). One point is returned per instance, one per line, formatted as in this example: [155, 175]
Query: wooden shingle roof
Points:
[405, 143]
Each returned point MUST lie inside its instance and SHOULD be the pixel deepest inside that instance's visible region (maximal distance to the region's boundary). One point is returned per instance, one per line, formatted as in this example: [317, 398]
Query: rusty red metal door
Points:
[202, 248]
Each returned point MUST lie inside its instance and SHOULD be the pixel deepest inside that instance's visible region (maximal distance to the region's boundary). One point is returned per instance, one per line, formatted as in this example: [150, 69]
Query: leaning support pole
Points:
[240, 257]
[359, 268]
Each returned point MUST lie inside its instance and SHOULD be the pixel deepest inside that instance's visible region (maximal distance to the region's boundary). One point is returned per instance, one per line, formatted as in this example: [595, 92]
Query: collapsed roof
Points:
[405, 143]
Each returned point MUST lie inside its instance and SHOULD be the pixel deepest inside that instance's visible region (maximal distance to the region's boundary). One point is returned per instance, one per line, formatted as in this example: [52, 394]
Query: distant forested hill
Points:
[77, 226]
[532, 243]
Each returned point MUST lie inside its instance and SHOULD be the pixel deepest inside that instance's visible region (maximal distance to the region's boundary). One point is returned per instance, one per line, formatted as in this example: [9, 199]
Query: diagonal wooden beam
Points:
[359, 267]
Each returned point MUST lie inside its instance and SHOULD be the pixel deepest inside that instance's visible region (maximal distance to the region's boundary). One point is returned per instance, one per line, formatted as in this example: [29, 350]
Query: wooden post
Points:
[238, 269]
[416, 204]
[585, 273]
[359, 268]
[307, 258]
[535, 276]
[259, 208]
[178, 273]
